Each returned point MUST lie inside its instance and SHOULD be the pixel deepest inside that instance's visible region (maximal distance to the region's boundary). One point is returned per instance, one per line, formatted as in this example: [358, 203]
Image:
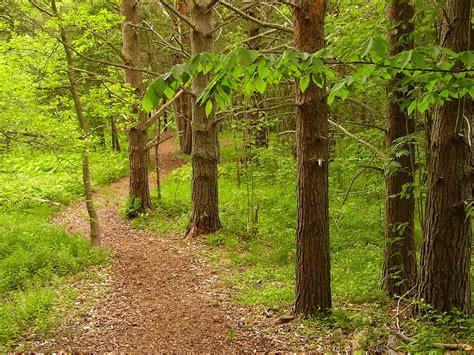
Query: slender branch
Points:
[255, 20]
[162, 109]
[179, 14]
[353, 136]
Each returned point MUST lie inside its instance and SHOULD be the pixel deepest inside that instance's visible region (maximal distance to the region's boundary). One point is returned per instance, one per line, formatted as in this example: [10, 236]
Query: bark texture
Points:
[399, 269]
[313, 290]
[446, 254]
[86, 180]
[205, 152]
[137, 135]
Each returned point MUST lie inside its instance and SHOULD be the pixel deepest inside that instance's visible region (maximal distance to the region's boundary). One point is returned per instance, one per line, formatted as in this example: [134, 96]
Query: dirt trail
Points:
[161, 294]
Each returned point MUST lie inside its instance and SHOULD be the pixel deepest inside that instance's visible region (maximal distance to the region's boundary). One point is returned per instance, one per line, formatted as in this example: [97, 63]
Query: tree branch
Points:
[255, 20]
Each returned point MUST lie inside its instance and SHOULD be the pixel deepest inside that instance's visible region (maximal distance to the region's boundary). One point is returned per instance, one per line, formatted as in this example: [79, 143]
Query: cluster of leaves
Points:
[436, 74]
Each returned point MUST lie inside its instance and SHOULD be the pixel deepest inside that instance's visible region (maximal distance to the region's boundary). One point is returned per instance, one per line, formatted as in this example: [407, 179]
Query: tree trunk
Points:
[313, 290]
[86, 180]
[183, 104]
[446, 254]
[114, 134]
[399, 269]
[257, 125]
[137, 134]
[204, 207]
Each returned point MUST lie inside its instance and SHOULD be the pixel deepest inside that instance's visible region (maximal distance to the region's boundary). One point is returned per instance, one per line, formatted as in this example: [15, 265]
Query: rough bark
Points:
[137, 134]
[399, 269]
[446, 255]
[313, 290]
[204, 206]
[91, 211]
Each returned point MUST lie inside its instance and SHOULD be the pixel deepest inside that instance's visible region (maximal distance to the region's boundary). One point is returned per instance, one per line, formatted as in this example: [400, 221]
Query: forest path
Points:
[160, 293]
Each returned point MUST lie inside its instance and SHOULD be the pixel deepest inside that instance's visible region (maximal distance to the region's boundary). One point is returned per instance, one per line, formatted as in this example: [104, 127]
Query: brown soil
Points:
[161, 295]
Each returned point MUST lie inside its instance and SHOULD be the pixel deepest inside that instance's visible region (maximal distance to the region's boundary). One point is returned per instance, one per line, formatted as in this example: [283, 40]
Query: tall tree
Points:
[137, 133]
[184, 102]
[446, 254]
[399, 269]
[86, 179]
[313, 289]
[205, 152]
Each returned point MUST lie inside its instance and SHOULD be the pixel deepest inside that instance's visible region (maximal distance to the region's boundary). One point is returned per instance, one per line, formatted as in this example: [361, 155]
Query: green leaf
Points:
[402, 59]
[365, 48]
[261, 85]
[381, 46]
[318, 79]
[304, 82]
[208, 107]
[467, 58]
[247, 56]
[412, 107]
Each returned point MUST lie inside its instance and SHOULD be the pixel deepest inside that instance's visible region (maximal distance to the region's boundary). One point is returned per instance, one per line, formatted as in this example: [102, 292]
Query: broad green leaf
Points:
[304, 82]
[365, 48]
[467, 58]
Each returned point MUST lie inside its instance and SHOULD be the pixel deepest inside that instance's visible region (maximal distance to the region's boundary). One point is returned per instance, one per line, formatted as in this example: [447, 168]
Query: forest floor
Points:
[158, 294]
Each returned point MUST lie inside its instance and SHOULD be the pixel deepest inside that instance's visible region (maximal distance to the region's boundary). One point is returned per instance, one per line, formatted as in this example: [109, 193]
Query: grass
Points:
[256, 247]
[37, 258]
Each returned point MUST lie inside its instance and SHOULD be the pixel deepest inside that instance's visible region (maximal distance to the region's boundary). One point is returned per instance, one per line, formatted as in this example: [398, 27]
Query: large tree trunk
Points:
[446, 254]
[313, 290]
[399, 269]
[137, 134]
[86, 180]
[204, 207]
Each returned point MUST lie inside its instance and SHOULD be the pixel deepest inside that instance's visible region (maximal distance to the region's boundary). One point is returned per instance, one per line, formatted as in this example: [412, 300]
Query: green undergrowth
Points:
[256, 247]
[36, 257]
[259, 226]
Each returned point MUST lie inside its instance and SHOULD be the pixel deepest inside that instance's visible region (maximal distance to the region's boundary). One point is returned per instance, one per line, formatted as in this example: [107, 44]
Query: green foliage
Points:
[436, 73]
[34, 257]
[131, 208]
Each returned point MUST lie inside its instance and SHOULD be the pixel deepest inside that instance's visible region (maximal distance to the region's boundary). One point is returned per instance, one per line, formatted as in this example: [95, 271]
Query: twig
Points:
[459, 346]
[353, 136]
[255, 20]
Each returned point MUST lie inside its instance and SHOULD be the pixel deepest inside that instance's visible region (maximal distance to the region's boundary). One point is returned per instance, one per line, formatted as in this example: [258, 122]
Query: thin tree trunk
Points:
[157, 159]
[137, 134]
[114, 135]
[313, 290]
[446, 254]
[93, 218]
[204, 207]
[399, 269]
[183, 104]
[257, 127]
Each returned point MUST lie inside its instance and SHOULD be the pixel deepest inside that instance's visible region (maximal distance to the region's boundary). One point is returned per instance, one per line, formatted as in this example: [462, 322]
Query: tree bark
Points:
[313, 290]
[114, 135]
[399, 269]
[86, 180]
[446, 254]
[204, 206]
[183, 104]
[137, 134]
